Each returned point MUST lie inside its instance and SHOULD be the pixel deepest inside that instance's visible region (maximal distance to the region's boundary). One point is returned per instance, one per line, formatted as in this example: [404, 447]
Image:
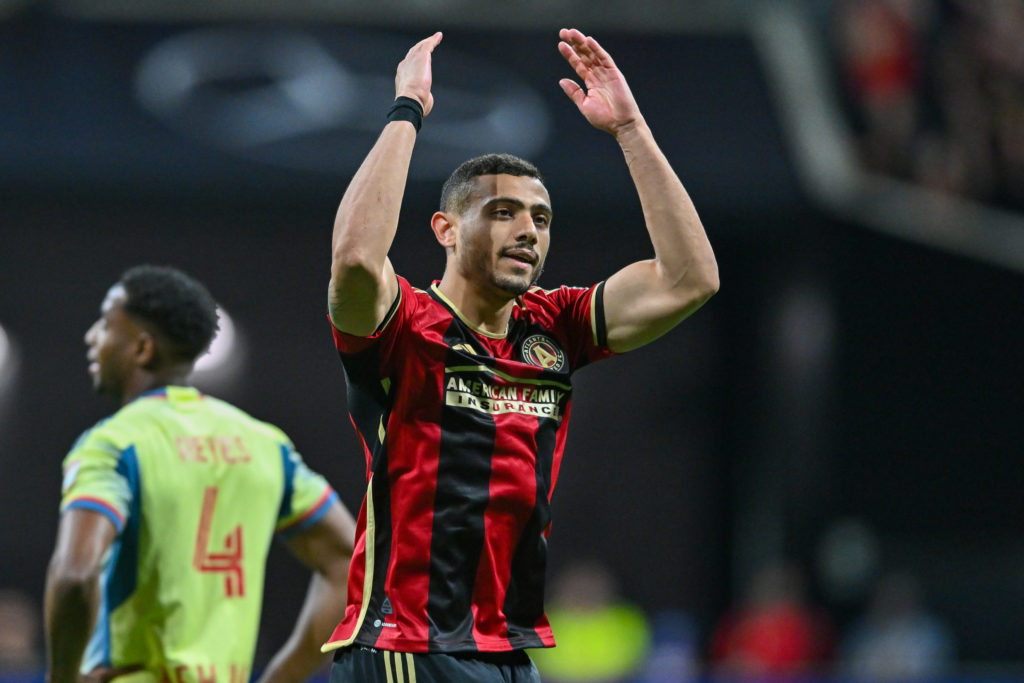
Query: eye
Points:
[502, 212]
[542, 220]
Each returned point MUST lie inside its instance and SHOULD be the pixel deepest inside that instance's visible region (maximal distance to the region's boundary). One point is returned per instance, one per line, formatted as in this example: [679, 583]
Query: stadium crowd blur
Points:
[775, 631]
[935, 90]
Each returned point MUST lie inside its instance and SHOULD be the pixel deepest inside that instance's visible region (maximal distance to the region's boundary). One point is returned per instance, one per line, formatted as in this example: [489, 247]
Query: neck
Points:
[144, 382]
[486, 310]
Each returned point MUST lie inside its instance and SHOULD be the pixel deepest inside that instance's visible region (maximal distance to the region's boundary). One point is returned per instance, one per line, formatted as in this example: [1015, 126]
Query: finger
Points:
[581, 45]
[589, 50]
[595, 55]
[427, 44]
[573, 90]
[581, 69]
[433, 41]
[571, 35]
[578, 42]
[570, 55]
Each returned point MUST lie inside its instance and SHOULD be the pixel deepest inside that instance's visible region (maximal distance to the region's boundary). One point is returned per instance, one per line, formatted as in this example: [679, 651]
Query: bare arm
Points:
[363, 282]
[645, 299]
[326, 548]
[73, 590]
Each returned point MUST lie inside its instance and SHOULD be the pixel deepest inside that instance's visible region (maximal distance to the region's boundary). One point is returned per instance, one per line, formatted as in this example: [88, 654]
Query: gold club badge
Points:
[543, 352]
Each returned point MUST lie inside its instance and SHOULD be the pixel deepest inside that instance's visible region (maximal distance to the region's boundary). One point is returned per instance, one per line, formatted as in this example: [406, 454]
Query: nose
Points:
[526, 230]
[90, 334]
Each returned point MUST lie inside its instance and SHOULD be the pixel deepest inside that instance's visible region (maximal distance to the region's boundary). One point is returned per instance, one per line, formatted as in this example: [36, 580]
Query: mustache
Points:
[521, 246]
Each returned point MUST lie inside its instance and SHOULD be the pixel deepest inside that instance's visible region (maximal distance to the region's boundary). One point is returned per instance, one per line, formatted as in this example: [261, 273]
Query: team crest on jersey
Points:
[542, 351]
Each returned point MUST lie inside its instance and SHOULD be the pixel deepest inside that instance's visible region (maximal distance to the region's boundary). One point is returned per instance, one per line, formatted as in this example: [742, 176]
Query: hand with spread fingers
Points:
[414, 77]
[605, 98]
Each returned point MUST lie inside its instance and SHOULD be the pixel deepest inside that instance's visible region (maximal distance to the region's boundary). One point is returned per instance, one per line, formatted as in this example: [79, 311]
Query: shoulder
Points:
[114, 430]
[89, 433]
[416, 309]
[558, 294]
[417, 298]
[553, 301]
[99, 449]
[230, 413]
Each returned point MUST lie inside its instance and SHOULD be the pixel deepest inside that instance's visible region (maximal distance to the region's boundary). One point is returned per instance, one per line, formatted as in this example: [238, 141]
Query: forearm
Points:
[300, 657]
[70, 609]
[367, 217]
[647, 298]
[682, 251]
[362, 279]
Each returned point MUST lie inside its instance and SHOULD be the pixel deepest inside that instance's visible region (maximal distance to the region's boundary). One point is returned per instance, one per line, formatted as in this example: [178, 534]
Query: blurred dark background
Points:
[851, 399]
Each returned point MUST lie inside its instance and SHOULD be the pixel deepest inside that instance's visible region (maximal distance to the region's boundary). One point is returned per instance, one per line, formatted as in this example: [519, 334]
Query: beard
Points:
[516, 286]
[478, 264]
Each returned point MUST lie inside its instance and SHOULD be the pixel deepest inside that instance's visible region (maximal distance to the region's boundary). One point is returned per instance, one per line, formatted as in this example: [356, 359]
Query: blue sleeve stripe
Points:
[289, 485]
[124, 564]
[311, 517]
[103, 508]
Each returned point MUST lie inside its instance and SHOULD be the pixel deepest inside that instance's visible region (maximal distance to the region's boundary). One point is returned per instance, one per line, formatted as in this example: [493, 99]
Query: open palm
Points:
[605, 99]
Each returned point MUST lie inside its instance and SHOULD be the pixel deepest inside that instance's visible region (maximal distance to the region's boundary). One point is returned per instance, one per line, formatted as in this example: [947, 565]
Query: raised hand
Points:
[605, 99]
[413, 77]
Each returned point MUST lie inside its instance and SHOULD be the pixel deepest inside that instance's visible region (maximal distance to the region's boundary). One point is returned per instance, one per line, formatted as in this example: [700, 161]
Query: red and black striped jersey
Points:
[463, 434]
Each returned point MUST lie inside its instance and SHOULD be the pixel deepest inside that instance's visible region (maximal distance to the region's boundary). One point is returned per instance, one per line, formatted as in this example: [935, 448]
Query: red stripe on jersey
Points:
[463, 436]
[509, 473]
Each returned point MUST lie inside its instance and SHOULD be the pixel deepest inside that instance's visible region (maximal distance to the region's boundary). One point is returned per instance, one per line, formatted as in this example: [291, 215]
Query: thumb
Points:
[573, 90]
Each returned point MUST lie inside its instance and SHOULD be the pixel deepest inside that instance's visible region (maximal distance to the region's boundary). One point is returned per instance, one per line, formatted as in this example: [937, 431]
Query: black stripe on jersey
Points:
[391, 309]
[524, 600]
[462, 496]
[370, 630]
[599, 323]
[369, 404]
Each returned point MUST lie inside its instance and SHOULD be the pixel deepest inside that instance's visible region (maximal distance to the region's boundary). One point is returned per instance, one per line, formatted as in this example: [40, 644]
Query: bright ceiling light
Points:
[226, 354]
[8, 360]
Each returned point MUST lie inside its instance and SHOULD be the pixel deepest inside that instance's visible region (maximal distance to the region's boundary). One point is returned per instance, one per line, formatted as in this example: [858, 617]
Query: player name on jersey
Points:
[230, 450]
[198, 673]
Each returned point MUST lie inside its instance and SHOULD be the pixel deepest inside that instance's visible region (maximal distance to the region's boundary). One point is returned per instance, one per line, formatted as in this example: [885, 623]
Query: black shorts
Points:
[358, 664]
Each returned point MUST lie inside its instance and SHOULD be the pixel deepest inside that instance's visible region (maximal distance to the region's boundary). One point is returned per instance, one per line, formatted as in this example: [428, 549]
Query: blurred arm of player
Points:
[648, 298]
[326, 548]
[363, 284]
[72, 597]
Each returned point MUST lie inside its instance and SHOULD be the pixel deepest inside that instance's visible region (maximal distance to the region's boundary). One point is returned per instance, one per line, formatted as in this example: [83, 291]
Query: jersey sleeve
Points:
[385, 335]
[579, 313]
[94, 478]
[307, 495]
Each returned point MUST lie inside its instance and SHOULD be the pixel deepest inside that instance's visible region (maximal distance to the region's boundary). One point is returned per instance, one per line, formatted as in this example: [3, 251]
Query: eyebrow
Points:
[518, 203]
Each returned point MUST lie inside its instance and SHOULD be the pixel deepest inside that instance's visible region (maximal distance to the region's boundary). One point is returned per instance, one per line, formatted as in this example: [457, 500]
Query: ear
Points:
[144, 350]
[444, 229]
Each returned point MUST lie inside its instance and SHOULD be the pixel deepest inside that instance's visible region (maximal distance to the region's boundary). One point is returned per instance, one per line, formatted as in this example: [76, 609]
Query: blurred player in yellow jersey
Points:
[169, 508]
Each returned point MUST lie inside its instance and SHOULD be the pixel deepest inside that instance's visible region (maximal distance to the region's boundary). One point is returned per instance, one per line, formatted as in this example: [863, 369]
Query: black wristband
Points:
[406, 109]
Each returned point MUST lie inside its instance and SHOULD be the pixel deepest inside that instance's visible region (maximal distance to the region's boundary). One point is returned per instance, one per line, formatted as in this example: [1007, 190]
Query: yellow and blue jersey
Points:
[196, 488]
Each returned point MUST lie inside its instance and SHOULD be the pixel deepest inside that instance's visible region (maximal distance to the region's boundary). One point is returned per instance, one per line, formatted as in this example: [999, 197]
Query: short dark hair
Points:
[457, 189]
[178, 306]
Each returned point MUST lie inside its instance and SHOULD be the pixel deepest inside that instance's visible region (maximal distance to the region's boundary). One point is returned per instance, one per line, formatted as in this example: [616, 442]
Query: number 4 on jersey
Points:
[228, 560]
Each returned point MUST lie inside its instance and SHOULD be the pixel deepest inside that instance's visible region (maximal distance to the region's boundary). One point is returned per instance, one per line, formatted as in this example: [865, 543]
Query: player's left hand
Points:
[605, 99]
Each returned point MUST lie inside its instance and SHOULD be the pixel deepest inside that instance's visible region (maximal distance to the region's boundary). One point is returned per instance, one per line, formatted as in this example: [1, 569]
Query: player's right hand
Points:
[413, 77]
[103, 674]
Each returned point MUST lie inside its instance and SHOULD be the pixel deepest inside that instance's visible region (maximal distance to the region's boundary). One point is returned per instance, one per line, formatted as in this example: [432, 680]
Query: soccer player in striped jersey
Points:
[461, 392]
[169, 507]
